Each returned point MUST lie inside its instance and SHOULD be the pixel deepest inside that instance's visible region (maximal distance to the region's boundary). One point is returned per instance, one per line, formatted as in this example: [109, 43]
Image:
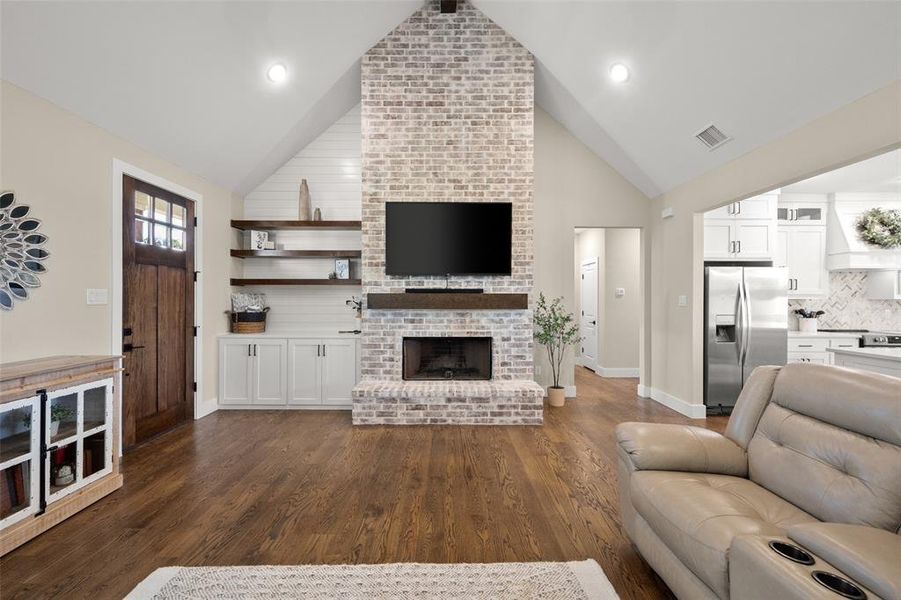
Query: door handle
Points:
[254, 349]
[739, 245]
[248, 350]
[318, 349]
[128, 347]
[738, 208]
[323, 349]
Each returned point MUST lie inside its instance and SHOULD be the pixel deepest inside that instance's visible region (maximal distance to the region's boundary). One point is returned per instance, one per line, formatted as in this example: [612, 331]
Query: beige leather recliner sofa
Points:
[811, 457]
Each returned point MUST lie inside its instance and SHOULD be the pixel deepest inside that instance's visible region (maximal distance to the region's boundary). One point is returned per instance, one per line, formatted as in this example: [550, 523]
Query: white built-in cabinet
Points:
[801, 248]
[812, 348]
[295, 372]
[744, 230]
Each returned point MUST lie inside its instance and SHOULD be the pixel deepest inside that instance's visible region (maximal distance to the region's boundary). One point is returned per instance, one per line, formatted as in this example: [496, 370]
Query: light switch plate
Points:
[683, 300]
[619, 292]
[97, 296]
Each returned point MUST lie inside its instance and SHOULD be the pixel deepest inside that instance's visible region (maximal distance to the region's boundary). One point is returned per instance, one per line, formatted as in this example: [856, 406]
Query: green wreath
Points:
[880, 227]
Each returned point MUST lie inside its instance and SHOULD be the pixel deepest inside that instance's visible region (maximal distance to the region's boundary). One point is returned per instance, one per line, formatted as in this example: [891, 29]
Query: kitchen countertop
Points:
[824, 334]
[893, 354]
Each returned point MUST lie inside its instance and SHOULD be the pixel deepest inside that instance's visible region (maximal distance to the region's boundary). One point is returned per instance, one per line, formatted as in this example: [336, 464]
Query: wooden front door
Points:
[157, 310]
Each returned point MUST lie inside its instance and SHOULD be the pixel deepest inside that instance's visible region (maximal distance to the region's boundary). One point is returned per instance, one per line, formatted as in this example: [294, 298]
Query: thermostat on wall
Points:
[667, 212]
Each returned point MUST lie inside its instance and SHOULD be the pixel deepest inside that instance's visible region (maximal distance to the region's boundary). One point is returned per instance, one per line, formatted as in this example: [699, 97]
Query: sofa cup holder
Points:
[792, 553]
[839, 585]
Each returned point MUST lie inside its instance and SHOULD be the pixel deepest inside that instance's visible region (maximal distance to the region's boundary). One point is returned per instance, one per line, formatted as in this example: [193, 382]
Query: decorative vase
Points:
[317, 215]
[807, 325]
[304, 208]
[556, 396]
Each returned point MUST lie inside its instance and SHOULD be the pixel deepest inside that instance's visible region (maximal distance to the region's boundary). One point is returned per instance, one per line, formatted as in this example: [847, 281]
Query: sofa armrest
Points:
[756, 572]
[664, 447]
[866, 554]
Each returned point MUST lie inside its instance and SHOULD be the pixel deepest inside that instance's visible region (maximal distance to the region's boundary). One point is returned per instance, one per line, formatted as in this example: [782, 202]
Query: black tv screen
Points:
[448, 238]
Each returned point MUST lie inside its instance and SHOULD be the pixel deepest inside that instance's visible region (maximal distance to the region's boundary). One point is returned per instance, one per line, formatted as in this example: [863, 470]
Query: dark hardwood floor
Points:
[306, 487]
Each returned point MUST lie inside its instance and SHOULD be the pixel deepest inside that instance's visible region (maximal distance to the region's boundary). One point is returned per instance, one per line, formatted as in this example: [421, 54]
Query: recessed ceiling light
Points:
[619, 73]
[277, 73]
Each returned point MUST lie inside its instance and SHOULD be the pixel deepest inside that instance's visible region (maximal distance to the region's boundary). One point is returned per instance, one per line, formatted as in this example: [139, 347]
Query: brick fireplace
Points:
[447, 116]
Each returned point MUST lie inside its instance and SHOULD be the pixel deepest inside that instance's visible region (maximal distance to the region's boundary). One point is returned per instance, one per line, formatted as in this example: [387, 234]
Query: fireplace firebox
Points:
[460, 358]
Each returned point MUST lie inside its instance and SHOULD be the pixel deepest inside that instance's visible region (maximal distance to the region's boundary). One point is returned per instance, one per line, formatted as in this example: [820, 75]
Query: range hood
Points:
[844, 249]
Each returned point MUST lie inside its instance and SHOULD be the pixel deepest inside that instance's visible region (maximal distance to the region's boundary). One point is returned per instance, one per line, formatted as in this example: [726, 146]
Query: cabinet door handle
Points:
[318, 349]
[738, 208]
[739, 242]
[323, 349]
[805, 345]
[732, 208]
[254, 349]
[248, 349]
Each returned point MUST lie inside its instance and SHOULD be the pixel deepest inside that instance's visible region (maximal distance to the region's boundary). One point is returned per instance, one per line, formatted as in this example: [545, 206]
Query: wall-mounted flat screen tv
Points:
[448, 238]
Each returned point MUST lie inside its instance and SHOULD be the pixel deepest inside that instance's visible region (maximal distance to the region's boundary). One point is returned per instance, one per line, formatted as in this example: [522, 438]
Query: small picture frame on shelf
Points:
[257, 239]
[342, 268]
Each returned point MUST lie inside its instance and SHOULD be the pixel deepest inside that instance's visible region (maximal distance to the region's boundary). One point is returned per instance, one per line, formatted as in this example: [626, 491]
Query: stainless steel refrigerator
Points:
[746, 326]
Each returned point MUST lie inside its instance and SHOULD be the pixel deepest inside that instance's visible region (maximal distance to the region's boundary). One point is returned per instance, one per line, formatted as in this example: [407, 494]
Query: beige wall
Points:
[573, 188]
[861, 129]
[61, 166]
[622, 316]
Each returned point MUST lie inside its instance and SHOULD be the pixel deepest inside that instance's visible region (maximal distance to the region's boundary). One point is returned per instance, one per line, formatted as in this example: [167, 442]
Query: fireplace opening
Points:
[461, 358]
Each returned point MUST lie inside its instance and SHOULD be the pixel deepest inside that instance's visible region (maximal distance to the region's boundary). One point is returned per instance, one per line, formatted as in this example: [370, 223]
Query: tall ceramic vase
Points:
[304, 209]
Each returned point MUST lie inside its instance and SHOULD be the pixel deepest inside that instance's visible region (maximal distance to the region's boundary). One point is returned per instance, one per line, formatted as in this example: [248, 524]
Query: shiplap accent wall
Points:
[331, 164]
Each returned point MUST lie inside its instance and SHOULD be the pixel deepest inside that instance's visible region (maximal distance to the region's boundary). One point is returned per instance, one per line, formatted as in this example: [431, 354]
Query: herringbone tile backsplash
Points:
[847, 306]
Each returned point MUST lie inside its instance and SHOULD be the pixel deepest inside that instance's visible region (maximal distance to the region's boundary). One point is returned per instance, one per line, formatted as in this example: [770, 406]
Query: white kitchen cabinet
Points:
[758, 207]
[732, 239]
[290, 372]
[802, 250]
[304, 372]
[252, 371]
[802, 213]
[884, 285]
[811, 348]
[339, 370]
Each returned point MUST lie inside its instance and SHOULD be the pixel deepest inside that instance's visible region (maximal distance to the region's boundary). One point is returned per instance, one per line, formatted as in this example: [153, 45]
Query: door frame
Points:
[121, 168]
[597, 302]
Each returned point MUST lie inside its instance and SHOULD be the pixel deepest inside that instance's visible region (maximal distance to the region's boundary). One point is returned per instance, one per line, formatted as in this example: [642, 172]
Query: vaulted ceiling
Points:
[186, 79]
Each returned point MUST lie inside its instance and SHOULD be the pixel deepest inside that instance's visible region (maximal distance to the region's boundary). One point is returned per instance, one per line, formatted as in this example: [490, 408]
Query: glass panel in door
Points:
[94, 408]
[15, 433]
[63, 417]
[15, 489]
[95, 457]
[63, 467]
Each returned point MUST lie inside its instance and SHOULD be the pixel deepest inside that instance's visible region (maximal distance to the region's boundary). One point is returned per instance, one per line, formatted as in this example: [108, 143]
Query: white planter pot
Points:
[807, 325]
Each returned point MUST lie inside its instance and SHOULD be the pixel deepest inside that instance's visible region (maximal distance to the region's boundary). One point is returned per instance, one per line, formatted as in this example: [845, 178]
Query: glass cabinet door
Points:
[801, 215]
[19, 447]
[79, 434]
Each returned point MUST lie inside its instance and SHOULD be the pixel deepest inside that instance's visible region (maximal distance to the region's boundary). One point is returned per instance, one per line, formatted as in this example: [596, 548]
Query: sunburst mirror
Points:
[22, 252]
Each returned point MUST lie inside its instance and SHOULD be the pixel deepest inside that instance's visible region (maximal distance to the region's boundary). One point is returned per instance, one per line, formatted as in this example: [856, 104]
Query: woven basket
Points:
[248, 322]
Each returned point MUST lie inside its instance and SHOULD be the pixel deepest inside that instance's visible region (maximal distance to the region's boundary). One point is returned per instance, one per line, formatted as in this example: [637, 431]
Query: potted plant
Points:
[555, 329]
[807, 319]
[59, 413]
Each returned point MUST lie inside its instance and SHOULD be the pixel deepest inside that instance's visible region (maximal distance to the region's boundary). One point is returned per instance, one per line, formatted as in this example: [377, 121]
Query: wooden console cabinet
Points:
[59, 441]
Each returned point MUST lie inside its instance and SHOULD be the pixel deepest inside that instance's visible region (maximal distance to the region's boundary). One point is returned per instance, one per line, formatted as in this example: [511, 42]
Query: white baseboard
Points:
[643, 391]
[569, 391]
[694, 411]
[206, 408]
[617, 372]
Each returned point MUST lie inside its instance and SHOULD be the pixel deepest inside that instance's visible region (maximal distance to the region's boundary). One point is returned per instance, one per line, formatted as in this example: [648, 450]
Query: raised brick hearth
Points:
[447, 116]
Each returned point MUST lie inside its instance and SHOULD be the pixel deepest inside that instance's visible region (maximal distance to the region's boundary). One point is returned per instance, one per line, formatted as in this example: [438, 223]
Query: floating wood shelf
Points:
[348, 225]
[236, 281]
[296, 253]
[442, 301]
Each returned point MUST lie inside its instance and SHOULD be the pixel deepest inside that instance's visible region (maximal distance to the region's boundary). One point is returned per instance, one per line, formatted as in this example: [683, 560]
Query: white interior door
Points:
[588, 320]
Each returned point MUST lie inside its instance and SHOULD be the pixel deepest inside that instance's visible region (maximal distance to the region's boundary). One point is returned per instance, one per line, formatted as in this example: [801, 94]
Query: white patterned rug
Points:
[539, 580]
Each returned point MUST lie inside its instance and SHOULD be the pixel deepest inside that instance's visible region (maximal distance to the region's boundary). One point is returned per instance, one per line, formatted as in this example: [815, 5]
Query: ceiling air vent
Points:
[712, 137]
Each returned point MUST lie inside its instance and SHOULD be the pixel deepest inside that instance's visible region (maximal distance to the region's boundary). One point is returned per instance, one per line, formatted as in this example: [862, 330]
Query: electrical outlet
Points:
[683, 300]
[619, 292]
